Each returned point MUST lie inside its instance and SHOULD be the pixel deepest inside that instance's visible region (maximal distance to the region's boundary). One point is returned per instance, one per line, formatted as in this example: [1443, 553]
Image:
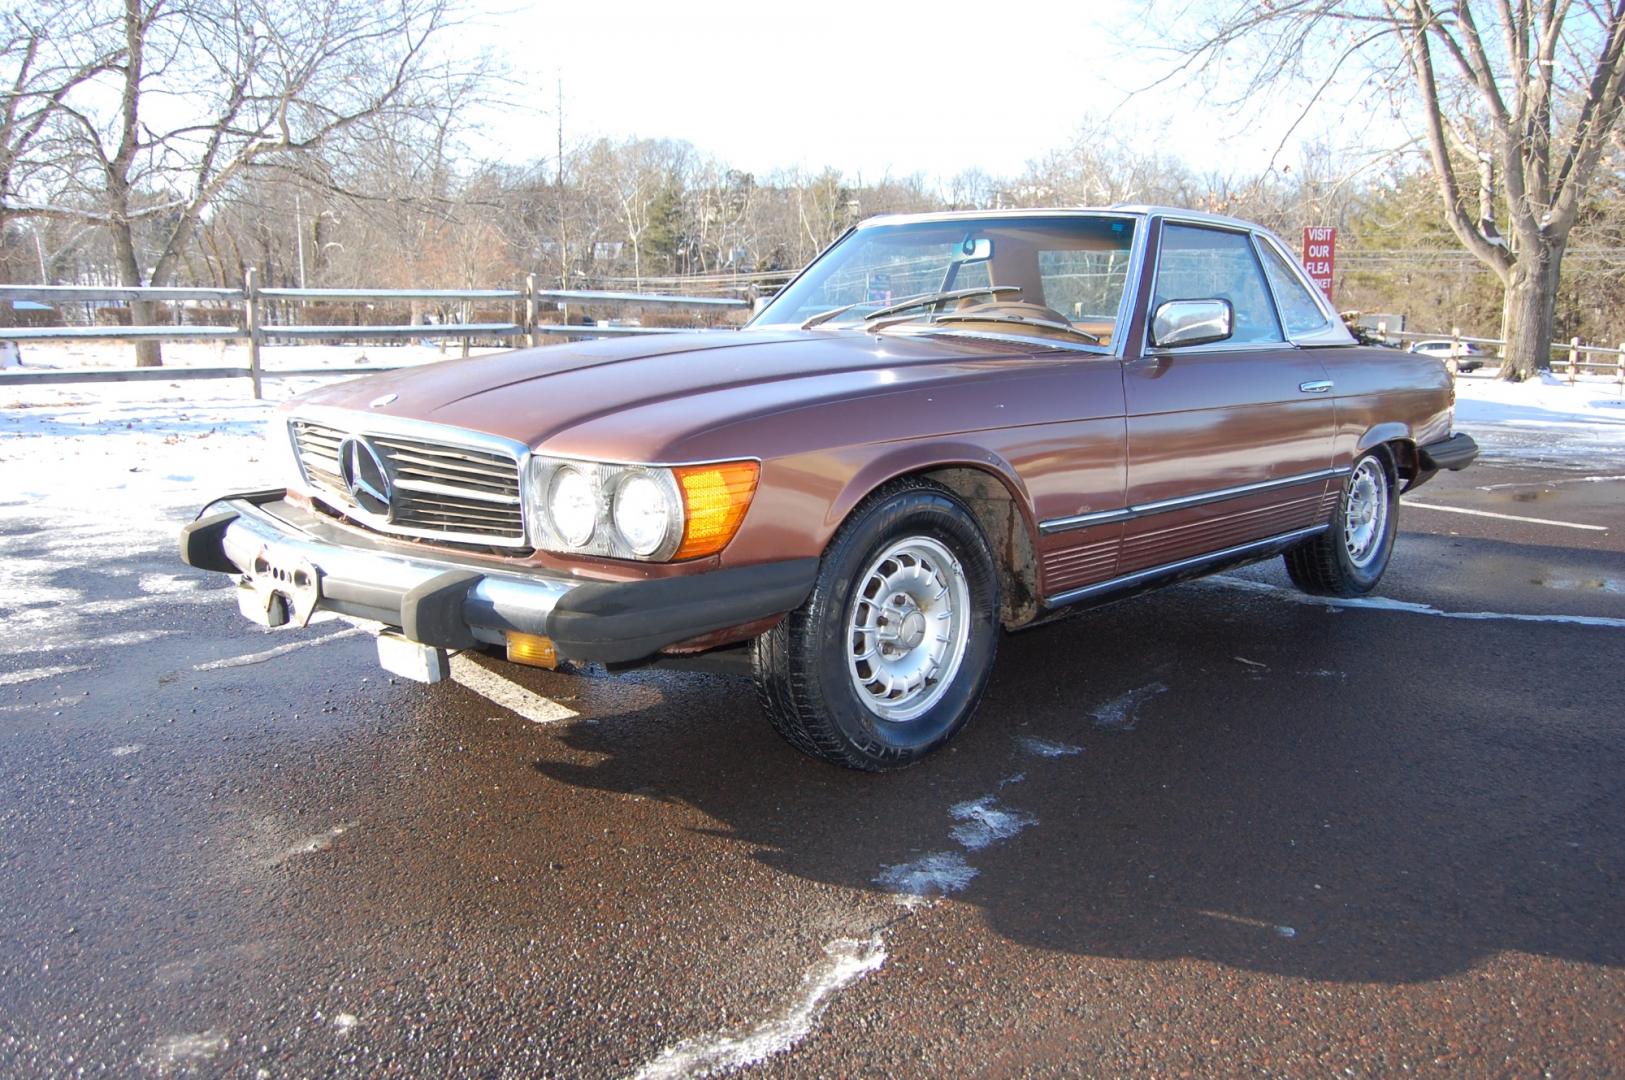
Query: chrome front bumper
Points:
[295, 563]
[264, 540]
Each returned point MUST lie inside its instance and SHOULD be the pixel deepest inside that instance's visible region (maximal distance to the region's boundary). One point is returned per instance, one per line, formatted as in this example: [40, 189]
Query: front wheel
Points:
[890, 653]
[1349, 558]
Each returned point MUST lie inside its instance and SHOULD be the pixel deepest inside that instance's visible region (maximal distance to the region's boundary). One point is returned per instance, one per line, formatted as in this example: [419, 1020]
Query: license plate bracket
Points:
[282, 581]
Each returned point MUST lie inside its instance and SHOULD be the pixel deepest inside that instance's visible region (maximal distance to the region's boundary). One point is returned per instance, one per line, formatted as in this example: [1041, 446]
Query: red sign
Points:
[1320, 255]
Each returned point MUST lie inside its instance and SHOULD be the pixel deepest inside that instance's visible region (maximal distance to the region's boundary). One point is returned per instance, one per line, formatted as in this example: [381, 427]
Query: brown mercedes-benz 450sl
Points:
[945, 427]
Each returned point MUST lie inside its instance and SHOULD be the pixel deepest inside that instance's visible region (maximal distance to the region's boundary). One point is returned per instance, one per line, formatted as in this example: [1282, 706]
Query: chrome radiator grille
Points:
[438, 489]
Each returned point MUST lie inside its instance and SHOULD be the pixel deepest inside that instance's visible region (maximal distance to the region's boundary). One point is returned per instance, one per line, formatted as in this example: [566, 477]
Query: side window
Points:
[1209, 264]
[1298, 309]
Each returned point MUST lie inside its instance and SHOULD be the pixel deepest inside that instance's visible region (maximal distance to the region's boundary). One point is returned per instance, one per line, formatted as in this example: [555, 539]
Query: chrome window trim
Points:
[1128, 580]
[1330, 332]
[1125, 305]
[1131, 289]
[1217, 225]
[1219, 347]
[1185, 502]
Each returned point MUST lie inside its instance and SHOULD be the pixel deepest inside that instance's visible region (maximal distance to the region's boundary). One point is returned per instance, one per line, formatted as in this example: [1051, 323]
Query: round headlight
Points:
[642, 514]
[572, 503]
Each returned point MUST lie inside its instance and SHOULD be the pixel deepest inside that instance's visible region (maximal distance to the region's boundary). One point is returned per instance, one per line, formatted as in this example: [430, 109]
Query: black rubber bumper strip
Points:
[1454, 453]
[623, 621]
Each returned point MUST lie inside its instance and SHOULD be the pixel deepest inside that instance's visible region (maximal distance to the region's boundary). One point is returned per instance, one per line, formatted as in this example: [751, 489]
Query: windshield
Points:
[1064, 269]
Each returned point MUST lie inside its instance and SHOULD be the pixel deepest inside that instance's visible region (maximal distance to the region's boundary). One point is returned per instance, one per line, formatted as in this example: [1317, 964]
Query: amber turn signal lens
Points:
[715, 498]
[532, 649]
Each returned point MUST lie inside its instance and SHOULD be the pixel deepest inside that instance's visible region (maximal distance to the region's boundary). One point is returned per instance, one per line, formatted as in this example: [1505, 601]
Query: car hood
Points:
[641, 398]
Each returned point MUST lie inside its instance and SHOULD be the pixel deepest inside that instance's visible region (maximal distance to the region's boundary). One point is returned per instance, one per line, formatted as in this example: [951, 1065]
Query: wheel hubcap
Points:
[907, 628]
[1365, 512]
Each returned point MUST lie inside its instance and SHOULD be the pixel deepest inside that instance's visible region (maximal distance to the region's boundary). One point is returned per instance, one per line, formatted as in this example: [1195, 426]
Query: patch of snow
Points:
[844, 963]
[185, 1050]
[14, 678]
[937, 874]
[54, 703]
[126, 751]
[1118, 713]
[983, 822]
[1545, 421]
[1045, 748]
[312, 844]
[1601, 584]
[170, 584]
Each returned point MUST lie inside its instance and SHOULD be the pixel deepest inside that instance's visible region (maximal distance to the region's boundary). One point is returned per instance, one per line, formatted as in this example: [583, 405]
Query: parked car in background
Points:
[1464, 354]
[946, 427]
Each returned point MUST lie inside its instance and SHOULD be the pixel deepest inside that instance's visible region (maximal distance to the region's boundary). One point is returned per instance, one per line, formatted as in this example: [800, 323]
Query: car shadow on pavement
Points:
[1346, 796]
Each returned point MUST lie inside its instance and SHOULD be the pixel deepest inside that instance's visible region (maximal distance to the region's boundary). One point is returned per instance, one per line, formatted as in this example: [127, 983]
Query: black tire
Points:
[1325, 565]
[806, 677]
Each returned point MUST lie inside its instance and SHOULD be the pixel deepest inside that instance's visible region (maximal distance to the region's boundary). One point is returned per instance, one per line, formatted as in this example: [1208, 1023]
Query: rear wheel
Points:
[890, 653]
[1349, 558]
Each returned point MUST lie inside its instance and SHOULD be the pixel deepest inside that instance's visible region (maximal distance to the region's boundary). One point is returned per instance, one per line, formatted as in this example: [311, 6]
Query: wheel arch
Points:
[996, 497]
[1397, 441]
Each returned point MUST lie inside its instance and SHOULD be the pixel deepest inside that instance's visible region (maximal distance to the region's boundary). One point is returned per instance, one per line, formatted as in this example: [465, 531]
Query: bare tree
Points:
[206, 89]
[47, 50]
[1517, 89]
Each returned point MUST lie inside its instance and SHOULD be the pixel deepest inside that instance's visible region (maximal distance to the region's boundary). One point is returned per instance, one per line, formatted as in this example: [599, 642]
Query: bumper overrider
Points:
[1454, 453]
[292, 563]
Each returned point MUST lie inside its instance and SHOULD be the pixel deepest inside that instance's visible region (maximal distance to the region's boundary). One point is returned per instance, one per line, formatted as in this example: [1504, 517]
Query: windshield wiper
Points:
[826, 316]
[917, 300]
[1020, 320]
[922, 299]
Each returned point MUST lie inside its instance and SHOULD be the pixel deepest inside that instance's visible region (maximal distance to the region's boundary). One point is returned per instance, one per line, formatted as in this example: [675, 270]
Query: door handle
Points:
[1318, 387]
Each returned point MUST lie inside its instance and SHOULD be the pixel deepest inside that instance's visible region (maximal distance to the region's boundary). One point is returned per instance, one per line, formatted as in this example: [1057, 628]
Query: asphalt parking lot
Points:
[1218, 829]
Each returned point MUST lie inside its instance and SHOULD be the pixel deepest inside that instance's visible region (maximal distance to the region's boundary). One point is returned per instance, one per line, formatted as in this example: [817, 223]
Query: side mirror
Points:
[1192, 322]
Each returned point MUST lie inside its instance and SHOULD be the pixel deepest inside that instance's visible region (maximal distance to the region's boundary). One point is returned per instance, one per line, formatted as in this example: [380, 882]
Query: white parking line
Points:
[507, 693]
[280, 650]
[1379, 603]
[1553, 483]
[1504, 517]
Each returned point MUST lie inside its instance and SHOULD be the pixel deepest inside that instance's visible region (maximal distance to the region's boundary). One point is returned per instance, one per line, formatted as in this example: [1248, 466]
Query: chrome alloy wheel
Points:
[1365, 512]
[907, 628]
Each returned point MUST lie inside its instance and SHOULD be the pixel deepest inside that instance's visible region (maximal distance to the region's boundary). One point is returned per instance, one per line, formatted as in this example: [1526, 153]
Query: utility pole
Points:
[558, 190]
[299, 237]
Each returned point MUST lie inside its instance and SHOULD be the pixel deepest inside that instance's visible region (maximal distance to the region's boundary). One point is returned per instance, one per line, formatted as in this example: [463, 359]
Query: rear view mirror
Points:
[975, 249]
[1192, 322]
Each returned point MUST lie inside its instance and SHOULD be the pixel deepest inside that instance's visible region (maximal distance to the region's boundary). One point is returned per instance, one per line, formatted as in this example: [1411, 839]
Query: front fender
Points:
[908, 458]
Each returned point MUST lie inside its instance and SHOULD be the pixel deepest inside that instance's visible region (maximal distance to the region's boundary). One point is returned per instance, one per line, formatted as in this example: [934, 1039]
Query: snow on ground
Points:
[97, 474]
[102, 476]
[111, 354]
[1545, 421]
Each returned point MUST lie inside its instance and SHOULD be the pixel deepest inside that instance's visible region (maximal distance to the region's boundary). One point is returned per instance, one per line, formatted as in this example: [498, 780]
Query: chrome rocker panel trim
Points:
[1185, 502]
